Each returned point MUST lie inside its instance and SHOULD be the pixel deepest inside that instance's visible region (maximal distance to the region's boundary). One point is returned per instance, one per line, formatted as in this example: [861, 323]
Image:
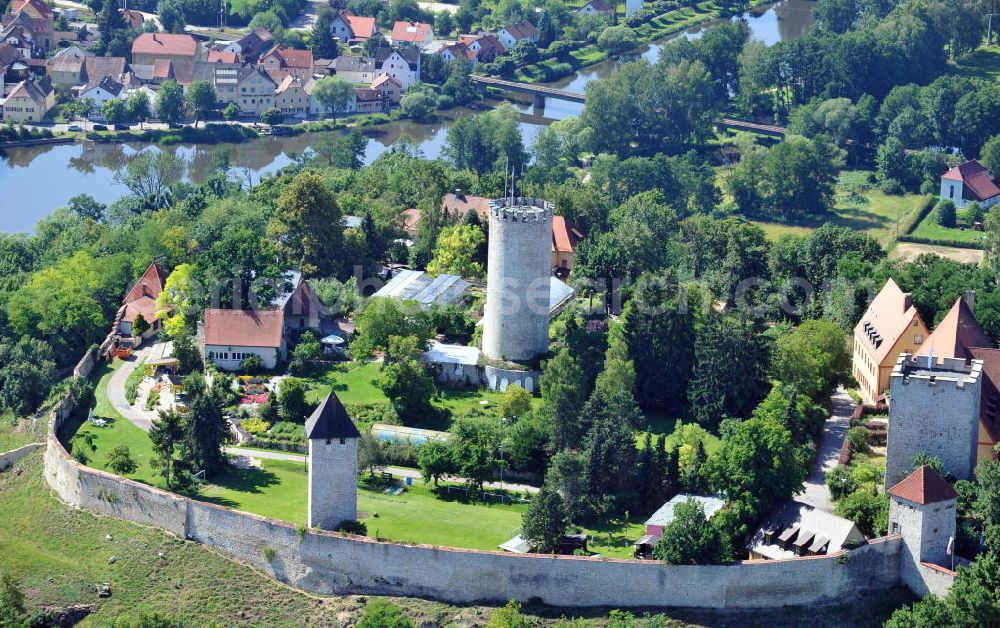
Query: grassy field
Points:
[984, 63]
[928, 228]
[15, 432]
[879, 215]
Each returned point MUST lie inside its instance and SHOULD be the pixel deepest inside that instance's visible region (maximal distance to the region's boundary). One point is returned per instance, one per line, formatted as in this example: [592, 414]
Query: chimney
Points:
[970, 300]
[145, 291]
[907, 301]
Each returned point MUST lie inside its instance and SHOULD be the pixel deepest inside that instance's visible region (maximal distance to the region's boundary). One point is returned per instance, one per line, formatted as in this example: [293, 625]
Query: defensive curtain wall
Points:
[328, 562]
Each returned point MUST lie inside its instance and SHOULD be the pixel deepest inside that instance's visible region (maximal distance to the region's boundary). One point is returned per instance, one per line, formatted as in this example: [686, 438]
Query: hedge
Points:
[941, 242]
[925, 209]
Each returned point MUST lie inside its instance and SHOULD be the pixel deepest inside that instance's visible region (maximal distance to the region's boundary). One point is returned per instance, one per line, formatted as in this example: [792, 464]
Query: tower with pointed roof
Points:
[922, 510]
[333, 465]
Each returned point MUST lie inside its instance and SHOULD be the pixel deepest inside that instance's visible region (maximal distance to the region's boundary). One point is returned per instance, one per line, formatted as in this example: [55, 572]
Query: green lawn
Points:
[928, 228]
[879, 215]
[984, 63]
[118, 431]
[354, 383]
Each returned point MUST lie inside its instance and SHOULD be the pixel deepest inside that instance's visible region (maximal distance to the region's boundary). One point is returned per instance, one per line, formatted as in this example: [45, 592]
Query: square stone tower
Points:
[922, 509]
[333, 465]
[934, 409]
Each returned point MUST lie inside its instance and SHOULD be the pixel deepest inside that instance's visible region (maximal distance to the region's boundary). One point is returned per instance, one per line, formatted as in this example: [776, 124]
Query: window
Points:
[951, 192]
[918, 338]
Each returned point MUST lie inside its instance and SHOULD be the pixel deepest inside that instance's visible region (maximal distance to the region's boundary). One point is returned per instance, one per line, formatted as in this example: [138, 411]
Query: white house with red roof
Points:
[228, 337]
[351, 29]
[417, 34]
[970, 182]
[148, 48]
[280, 61]
[519, 31]
[141, 301]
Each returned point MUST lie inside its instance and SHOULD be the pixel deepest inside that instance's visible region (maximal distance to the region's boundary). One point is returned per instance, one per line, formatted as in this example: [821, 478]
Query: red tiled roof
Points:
[410, 219]
[601, 6]
[221, 56]
[924, 486]
[890, 314]
[134, 19]
[145, 306]
[522, 29]
[957, 332]
[411, 32]
[565, 236]
[977, 180]
[149, 285]
[361, 27]
[165, 44]
[244, 328]
[461, 204]
[43, 9]
[291, 57]
[385, 78]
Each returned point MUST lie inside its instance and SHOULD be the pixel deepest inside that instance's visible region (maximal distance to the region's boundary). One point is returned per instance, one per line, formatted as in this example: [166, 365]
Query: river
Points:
[28, 193]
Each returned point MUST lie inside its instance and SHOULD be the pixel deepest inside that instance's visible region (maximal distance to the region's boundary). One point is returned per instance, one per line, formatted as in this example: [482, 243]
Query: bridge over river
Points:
[540, 92]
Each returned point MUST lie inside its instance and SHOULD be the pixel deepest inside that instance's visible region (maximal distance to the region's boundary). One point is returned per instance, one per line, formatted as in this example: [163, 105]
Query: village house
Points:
[148, 48]
[460, 204]
[66, 71]
[565, 238]
[228, 337]
[664, 516]
[367, 100]
[222, 56]
[247, 87]
[303, 309]
[487, 47]
[890, 326]
[279, 61]
[141, 301]
[970, 182]
[352, 29]
[134, 19]
[522, 30]
[357, 70]
[32, 24]
[402, 64]
[291, 98]
[102, 91]
[458, 52]
[416, 34]
[390, 88]
[8, 56]
[597, 7]
[251, 46]
[29, 101]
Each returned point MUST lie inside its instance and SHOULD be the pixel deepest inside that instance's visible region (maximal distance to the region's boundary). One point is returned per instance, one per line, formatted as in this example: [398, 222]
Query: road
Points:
[116, 392]
[403, 472]
[834, 431]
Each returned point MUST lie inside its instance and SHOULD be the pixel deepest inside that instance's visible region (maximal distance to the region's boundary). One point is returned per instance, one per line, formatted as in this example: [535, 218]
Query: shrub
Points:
[382, 614]
[256, 426]
[840, 482]
[858, 439]
[120, 460]
[870, 512]
[251, 364]
[132, 383]
[268, 553]
[272, 116]
[153, 399]
[944, 213]
[350, 526]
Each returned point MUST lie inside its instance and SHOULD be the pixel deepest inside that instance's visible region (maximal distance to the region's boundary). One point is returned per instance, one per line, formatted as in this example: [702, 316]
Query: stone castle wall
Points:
[327, 562]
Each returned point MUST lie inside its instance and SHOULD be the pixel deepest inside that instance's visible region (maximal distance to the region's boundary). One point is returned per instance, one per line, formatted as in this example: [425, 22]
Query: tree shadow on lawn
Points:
[238, 480]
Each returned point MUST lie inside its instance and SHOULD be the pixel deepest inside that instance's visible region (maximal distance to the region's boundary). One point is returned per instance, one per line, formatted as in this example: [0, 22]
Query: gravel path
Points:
[834, 432]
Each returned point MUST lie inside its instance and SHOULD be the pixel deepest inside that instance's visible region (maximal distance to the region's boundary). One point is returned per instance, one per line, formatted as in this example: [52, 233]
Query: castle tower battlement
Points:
[933, 409]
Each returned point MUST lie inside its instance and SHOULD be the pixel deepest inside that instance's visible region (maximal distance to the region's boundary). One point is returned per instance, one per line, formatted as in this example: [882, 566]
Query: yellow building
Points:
[29, 101]
[889, 327]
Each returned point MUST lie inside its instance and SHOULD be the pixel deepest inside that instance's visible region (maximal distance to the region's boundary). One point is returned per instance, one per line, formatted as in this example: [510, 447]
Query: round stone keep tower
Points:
[517, 279]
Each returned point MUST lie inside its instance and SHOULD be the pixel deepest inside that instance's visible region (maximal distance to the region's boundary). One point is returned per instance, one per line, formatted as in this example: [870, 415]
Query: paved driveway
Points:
[116, 392]
[834, 431]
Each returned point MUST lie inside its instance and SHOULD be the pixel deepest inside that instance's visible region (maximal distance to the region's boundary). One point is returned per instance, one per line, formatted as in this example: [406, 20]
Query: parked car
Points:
[75, 128]
[100, 127]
